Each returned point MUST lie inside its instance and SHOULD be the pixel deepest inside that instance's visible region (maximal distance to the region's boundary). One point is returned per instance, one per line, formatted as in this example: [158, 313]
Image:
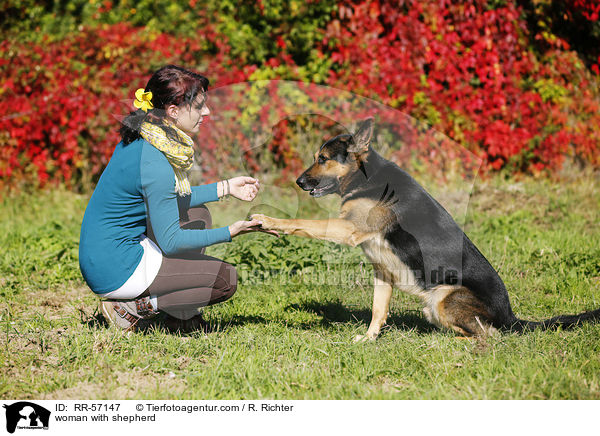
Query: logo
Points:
[26, 415]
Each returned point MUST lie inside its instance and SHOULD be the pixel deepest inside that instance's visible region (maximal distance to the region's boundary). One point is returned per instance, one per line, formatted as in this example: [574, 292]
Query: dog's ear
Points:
[362, 136]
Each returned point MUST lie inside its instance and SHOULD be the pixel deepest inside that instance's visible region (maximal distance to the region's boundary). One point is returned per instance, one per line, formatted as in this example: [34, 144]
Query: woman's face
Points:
[190, 116]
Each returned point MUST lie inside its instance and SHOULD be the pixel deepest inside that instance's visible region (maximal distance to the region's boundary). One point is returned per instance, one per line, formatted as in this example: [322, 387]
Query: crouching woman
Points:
[145, 228]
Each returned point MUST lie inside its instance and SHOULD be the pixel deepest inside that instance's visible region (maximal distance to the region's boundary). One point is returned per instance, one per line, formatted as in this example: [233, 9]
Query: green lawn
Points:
[287, 333]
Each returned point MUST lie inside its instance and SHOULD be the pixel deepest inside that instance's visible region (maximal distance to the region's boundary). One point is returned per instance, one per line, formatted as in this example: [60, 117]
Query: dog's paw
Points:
[364, 338]
[268, 223]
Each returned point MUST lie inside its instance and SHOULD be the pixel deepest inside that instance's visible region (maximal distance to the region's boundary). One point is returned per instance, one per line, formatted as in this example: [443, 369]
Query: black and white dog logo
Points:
[26, 415]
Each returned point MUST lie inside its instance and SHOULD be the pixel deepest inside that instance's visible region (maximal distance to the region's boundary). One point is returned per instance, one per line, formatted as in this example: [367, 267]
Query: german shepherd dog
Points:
[411, 240]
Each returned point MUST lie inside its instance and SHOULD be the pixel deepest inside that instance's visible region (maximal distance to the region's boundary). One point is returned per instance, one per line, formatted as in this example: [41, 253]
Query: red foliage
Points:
[462, 67]
[62, 100]
[468, 71]
[590, 9]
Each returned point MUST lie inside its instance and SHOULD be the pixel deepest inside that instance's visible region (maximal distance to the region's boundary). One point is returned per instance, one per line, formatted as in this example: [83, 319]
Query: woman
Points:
[145, 228]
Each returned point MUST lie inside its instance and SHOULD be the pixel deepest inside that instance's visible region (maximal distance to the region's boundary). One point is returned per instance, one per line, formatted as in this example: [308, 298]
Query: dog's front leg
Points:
[335, 230]
[382, 294]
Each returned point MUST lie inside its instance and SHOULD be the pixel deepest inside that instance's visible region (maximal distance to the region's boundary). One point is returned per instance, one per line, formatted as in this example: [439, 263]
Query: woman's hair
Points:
[169, 85]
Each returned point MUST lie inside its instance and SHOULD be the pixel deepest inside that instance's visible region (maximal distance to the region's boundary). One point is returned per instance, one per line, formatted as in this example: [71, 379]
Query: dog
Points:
[411, 240]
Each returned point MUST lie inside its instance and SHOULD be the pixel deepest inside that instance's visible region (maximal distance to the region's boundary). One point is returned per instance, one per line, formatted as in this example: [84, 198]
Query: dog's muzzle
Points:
[317, 188]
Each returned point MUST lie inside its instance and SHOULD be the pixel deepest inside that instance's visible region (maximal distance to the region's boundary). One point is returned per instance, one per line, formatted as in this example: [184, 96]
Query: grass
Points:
[287, 333]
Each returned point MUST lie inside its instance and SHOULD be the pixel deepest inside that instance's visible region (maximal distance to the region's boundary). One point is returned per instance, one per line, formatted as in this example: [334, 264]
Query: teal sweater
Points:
[138, 182]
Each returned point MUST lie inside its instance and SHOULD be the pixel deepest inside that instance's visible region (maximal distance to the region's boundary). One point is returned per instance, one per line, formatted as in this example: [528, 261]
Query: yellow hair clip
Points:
[143, 100]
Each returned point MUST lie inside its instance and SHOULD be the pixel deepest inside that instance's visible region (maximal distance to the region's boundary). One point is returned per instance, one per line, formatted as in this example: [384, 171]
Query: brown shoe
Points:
[118, 316]
[140, 307]
[128, 315]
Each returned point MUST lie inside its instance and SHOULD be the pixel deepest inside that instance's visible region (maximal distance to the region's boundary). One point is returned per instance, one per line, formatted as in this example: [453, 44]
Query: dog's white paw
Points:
[257, 216]
[364, 338]
[267, 222]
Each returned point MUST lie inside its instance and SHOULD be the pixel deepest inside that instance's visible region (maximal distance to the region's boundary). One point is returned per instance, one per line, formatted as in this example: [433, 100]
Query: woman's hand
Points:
[241, 227]
[244, 187]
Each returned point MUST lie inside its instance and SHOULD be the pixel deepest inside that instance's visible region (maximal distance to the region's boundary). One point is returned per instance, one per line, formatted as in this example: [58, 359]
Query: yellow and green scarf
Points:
[180, 154]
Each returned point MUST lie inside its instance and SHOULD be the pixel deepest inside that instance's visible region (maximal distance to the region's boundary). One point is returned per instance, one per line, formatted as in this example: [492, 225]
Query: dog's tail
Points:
[564, 321]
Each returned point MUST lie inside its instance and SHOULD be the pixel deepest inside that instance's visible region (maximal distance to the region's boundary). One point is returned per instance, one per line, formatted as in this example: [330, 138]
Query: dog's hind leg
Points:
[457, 308]
[382, 294]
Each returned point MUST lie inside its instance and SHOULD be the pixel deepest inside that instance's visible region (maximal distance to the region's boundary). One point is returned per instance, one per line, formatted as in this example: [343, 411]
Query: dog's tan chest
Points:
[366, 215]
[389, 267]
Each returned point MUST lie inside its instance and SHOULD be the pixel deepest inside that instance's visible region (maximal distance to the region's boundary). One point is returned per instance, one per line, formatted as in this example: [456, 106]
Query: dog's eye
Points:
[321, 160]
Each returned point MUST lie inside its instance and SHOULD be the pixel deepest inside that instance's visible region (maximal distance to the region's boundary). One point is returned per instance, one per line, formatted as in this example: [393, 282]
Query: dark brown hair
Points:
[169, 85]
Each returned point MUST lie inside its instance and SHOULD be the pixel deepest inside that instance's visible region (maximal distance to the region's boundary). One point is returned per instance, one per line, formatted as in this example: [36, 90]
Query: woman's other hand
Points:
[244, 187]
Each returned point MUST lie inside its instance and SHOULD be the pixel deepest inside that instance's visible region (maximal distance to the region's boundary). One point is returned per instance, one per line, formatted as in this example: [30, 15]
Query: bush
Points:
[467, 69]
[63, 99]
[500, 79]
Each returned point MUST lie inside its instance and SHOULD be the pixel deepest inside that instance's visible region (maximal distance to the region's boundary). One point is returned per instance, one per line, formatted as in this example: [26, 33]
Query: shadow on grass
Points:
[94, 321]
[335, 312]
[329, 313]
[237, 320]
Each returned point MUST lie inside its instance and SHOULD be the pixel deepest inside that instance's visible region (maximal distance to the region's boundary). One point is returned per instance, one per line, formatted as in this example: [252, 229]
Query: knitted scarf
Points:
[180, 154]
